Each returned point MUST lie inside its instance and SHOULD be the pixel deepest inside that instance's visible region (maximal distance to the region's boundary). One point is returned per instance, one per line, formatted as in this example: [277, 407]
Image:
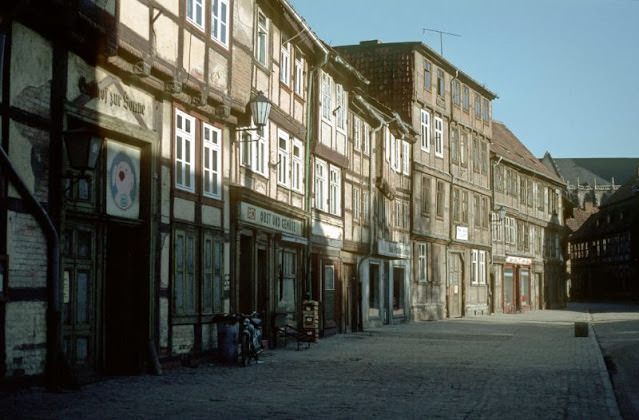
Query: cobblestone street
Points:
[525, 366]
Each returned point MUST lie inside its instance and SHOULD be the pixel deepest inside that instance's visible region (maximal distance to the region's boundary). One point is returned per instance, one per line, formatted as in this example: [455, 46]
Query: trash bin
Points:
[227, 340]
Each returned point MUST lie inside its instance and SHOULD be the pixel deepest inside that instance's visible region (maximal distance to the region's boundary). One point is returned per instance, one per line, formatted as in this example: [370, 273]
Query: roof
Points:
[594, 171]
[507, 146]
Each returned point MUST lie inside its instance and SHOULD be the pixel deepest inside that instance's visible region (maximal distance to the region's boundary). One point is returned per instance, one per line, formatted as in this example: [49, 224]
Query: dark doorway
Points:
[126, 303]
[354, 298]
[245, 273]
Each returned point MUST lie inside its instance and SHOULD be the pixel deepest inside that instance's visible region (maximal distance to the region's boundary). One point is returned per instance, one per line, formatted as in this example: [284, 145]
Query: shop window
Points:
[286, 280]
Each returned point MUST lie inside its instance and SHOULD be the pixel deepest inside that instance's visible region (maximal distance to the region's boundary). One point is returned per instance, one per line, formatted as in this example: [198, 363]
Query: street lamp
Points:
[83, 148]
[260, 110]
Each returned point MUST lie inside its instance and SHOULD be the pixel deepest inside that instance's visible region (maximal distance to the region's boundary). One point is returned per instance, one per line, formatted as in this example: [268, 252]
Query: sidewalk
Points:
[524, 366]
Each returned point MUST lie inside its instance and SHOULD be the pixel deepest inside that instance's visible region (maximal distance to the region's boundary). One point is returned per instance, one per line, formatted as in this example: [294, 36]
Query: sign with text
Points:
[269, 219]
[518, 260]
[123, 180]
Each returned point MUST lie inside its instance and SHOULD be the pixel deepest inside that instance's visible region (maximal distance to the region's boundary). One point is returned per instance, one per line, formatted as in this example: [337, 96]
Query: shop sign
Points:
[393, 249]
[518, 260]
[269, 219]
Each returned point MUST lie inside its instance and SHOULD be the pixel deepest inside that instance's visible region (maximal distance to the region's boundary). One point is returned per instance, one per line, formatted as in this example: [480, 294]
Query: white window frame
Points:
[478, 267]
[297, 166]
[357, 133]
[367, 138]
[365, 205]
[262, 38]
[387, 144]
[425, 125]
[356, 203]
[192, 15]
[254, 151]
[340, 107]
[396, 159]
[335, 191]
[285, 61]
[422, 263]
[212, 150]
[283, 158]
[220, 21]
[406, 157]
[299, 74]
[321, 185]
[439, 137]
[184, 152]
[327, 97]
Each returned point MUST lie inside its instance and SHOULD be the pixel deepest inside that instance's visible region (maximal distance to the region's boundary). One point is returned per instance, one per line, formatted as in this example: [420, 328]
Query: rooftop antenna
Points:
[441, 33]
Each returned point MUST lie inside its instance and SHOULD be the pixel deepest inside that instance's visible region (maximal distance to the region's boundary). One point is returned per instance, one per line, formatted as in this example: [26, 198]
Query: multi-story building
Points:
[603, 252]
[527, 220]
[450, 188]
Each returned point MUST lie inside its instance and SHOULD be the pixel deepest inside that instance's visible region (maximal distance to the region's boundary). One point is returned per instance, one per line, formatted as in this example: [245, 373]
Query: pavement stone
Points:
[525, 366]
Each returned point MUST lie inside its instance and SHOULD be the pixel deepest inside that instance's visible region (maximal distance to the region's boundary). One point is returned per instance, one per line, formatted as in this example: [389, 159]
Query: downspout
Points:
[54, 355]
[310, 108]
[450, 209]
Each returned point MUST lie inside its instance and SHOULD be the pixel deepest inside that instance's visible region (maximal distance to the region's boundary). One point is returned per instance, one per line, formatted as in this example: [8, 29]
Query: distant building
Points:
[605, 249]
[591, 179]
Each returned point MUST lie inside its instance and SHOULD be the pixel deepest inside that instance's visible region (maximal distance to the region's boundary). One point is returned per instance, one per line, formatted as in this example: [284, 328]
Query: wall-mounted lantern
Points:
[502, 213]
[260, 110]
[83, 148]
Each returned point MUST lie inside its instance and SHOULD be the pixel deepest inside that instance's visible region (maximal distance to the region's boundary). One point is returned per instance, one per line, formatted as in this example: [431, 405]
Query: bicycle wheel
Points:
[245, 351]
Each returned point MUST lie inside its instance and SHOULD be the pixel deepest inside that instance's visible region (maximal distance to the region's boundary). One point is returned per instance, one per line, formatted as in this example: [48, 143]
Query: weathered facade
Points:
[528, 269]
[450, 187]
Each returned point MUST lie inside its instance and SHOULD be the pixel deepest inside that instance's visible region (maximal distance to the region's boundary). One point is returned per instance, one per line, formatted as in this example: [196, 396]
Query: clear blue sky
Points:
[566, 71]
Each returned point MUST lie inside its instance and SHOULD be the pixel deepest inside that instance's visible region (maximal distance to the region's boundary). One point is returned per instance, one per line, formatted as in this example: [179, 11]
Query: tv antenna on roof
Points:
[441, 33]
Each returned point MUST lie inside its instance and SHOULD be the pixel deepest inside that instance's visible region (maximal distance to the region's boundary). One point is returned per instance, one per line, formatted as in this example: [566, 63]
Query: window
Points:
[262, 39]
[476, 159]
[395, 153]
[478, 267]
[441, 91]
[356, 203]
[463, 144]
[510, 234]
[365, 206]
[456, 204]
[184, 272]
[454, 146]
[486, 110]
[477, 211]
[426, 195]
[195, 282]
[367, 138]
[425, 123]
[327, 97]
[497, 227]
[465, 98]
[440, 199]
[483, 152]
[286, 281]
[285, 61]
[184, 151]
[427, 75]
[195, 12]
[299, 74]
[464, 214]
[456, 92]
[406, 157]
[477, 106]
[398, 214]
[321, 185]
[406, 214]
[212, 161]
[422, 263]
[335, 191]
[283, 152]
[484, 212]
[220, 21]
[254, 151]
[357, 133]
[297, 166]
[340, 107]
[439, 137]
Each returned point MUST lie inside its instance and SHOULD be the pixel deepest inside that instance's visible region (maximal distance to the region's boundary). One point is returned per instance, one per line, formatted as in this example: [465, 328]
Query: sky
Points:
[566, 72]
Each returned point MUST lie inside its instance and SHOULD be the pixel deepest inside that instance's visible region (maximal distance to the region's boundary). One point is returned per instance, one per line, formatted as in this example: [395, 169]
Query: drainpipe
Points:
[450, 208]
[54, 356]
[310, 109]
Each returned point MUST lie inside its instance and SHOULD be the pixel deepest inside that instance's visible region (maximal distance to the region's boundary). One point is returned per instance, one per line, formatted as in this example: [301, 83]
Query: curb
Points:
[609, 394]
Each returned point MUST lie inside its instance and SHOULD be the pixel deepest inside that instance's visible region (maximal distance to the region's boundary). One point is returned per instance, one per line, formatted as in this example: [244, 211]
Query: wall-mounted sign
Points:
[269, 219]
[123, 180]
[518, 260]
[462, 233]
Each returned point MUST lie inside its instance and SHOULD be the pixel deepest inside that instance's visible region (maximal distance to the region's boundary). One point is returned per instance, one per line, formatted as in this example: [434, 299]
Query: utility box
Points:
[310, 319]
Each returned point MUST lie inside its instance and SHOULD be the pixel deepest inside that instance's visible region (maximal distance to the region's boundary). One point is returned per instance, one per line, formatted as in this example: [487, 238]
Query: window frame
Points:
[428, 75]
[298, 83]
[256, 148]
[422, 262]
[262, 38]
[297, 166]
[335, 190]
[285, 61]
[439, 137]
[220, 24]
[441, 83]
[185, 166]
[191, 13]
[212, 148]
[321, 185]
[283, 158]
[425, 130]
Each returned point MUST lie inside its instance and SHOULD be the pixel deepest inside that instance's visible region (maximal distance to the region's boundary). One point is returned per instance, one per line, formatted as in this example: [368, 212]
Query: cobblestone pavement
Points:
[525, 366]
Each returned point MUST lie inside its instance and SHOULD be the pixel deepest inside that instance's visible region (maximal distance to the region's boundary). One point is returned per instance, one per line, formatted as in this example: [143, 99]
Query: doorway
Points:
[126, 300]
[455, 276]
[353, 299]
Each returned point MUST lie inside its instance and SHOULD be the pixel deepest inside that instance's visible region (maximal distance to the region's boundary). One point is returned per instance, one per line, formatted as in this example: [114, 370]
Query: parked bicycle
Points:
[250, 345]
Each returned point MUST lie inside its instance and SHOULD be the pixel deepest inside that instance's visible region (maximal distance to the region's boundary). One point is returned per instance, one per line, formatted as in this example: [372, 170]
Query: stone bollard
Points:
[581, 329]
